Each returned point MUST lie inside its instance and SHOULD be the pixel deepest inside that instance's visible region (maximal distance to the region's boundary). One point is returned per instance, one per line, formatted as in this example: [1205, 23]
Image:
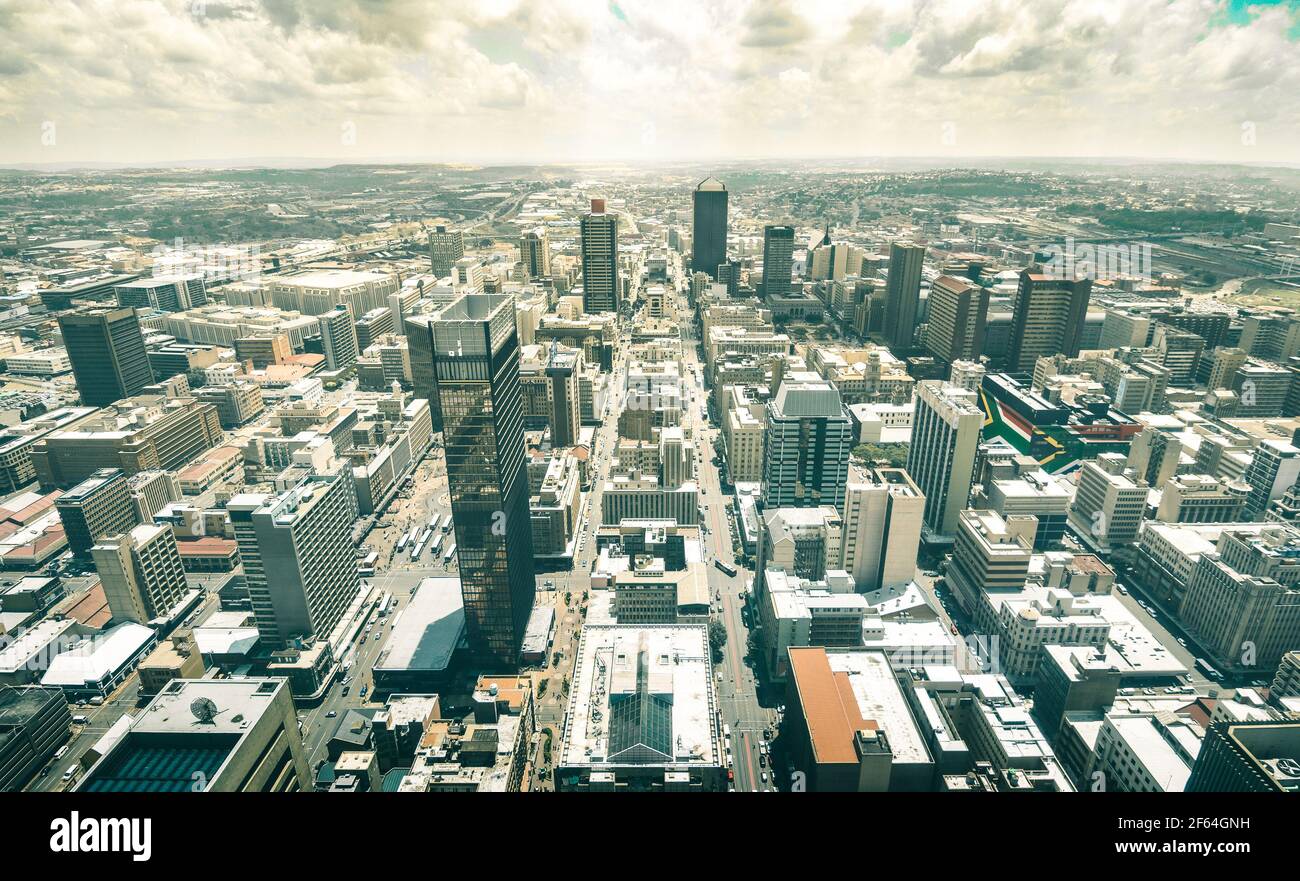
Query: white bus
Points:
[446, 524]
[367, 567]
[448, 554]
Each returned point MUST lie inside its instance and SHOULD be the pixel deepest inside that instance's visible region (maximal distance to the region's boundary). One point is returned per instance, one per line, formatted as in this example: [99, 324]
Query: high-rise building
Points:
[99, 506]
[903, 294]
[445, 248]
[709, 238]
[108, 356]
[1047, 318]
[419, 346]
[809, 437]
[1241, 620]
[34, 723]
[298, 556]
[338, 333]
[778, 260]
[883, 513]
[1274, 469]
[958, 312]
[171, 293]
[535, 253]
[1274, 336]
[600, 292]
[564, 372]
[1110, 502]
[208, 735]
[1255, 756]
[990, 553]
[941, 458]
[141, 571]
[476, 366]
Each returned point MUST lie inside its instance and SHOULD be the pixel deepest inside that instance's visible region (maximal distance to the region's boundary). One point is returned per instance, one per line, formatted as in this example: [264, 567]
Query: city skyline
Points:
[305, 83]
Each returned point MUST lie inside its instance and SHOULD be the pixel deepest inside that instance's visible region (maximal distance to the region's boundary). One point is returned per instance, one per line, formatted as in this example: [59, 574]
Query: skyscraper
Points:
[902, 294]
[883, 510]
[599, 259]
[298, 555]
[98, 506]
[709, 239]
[941, 457]
[562, 372]
[476, 367]
[809, 436]
[107, 353]
[1274, 468]
[445, 248]
[1048, 318]
[338, 333]
[778, 260]
[958, 312]
[535, 252]
[141, 571]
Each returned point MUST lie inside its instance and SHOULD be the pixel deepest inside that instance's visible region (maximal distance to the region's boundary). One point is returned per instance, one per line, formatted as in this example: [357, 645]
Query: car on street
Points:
[331, 714]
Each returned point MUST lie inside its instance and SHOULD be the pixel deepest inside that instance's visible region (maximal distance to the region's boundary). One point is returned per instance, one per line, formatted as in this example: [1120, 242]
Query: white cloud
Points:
[141, 80]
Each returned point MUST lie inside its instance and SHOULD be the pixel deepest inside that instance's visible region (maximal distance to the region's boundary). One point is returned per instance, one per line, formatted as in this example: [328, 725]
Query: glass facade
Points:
[476, 359]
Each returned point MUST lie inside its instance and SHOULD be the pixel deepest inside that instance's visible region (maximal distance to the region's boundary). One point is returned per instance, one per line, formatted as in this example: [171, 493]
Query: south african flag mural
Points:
[1085, 434]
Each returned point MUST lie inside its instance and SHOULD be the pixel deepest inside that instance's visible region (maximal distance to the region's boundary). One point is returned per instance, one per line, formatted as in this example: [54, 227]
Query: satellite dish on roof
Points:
[203, 709]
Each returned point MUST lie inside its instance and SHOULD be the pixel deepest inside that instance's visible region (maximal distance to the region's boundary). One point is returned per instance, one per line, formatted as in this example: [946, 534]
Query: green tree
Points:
[717, 639]
[895, 455]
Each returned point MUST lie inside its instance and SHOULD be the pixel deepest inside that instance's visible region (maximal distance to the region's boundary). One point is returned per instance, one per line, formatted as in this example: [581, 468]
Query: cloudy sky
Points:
[565, 80]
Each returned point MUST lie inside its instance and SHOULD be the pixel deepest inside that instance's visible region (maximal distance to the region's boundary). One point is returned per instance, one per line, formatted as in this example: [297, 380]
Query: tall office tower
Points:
[445, 248]
[476, 366]
[809, 436]
[990, 553]
[141, 571]
[373, 325]
[338, 334]
[1225, 361]
[709, 238]
[1273, 470]
[298, 555]
[107, 353]
[676, 458]
[563, 372]
[729, 275]
[958, 312]
[1122, 328]
[941, 457]
[98, 506]
[883, 512]
[1109, 504]
[402, 305]
[778, 260]
[535, 253]
[903, 294]
[1271, 336]
[599, 259]
[1047, 318]
[419, 345]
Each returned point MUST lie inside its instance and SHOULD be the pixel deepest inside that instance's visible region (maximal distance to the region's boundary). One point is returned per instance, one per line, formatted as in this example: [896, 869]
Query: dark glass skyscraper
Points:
[778, 260]
[903, 294]
[709, 239]
[476, 367]
[107, 352]
[600, 291]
